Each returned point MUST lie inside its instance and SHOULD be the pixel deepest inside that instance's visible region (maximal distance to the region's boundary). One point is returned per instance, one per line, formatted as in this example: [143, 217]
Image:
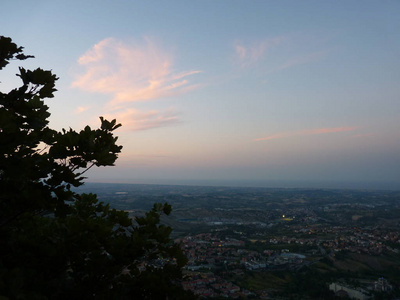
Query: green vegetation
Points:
[56, 243]
[308, 285]
[254, 281]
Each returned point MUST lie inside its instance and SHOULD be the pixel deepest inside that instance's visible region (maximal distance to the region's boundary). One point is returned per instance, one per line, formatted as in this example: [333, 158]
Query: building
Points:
[354, 293]
[382, 285]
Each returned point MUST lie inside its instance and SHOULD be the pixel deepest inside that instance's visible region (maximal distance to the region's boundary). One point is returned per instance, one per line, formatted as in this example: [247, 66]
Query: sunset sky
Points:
[224, 92]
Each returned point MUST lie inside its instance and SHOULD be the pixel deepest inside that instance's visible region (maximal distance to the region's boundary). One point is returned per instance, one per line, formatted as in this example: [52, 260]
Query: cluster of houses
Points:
[210, 285]
[371, 241]
[363, 240]
[207, 252]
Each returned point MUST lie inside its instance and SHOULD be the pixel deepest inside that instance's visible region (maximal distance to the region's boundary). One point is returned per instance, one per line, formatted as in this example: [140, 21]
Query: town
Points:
[244, 243]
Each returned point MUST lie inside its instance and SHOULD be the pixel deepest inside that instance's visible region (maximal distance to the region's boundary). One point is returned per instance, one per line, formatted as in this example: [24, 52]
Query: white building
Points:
[382, 285]
[353, 293]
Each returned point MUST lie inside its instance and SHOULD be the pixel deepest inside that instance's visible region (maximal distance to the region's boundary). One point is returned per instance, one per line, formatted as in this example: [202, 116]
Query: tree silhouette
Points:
[55, 243]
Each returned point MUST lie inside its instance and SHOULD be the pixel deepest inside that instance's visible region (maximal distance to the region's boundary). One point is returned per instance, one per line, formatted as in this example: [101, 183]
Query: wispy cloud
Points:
[246, 55]
[306, 132]
[134, 120]
[304, 59]
[275, 54]
[81, 109]
[130, 72]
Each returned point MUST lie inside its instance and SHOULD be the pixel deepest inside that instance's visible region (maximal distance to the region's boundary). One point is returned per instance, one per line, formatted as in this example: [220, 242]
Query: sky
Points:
[262, 93]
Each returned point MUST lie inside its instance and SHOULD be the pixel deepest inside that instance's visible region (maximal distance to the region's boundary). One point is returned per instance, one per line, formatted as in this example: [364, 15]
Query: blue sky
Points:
[224, 91]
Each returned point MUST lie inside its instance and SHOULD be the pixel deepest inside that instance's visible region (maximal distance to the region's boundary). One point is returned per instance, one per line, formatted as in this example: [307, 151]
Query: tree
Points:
[55, 243]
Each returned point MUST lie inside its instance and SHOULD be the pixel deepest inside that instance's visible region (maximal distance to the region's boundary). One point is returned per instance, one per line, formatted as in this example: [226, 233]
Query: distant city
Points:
[276, 243]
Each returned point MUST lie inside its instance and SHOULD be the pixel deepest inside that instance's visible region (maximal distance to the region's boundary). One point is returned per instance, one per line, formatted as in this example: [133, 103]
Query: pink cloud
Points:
[307, 132]
[135, 120]
[131, 72]
[247, 55]
[81, 109]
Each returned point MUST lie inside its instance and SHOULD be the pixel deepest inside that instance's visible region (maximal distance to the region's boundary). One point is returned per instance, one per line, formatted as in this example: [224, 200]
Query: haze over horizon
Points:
[273, 184]
[224, 92]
